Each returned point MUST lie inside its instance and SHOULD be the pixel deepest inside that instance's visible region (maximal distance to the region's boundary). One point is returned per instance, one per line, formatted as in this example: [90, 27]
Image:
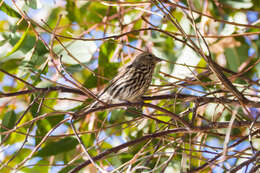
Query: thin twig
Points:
[84, 148]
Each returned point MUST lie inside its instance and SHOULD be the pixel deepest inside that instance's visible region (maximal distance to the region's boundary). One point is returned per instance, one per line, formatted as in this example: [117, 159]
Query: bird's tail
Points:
[93, 105]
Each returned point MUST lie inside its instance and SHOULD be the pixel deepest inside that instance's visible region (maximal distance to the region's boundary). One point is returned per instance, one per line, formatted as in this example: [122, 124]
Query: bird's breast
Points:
[130, 86]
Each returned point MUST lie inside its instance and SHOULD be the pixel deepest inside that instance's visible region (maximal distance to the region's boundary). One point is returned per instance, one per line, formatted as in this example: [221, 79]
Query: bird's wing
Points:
[116, 78]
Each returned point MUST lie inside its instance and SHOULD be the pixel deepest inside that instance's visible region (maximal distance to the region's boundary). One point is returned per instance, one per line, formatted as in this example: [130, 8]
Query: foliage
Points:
[198, 115]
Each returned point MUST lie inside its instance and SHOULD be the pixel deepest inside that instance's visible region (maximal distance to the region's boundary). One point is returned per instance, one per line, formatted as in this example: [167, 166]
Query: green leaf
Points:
[164, 118]
[133, 112]
[238, 5]
[9, 11]
[91, 81]
[19, 43]
[50, 102]
[36, 61]
[116, 115]
[43, 126]
[105, 67]
[67, 169]
[2, 42]
[53, 16]
[256, 46]
[14, 38]
[34, 107]
[32, 3]
[70, 167]
[236, 56]
[53, 120]
[37, 167]
[81, 50]
[73, 12]
[93, 10]
[8, 121]
[88, 139]
[256, 5]
[37, 77]
[31, 62]
[54, 148]
[29, 44]
[10, 64]
[83, 8]
[106, 52]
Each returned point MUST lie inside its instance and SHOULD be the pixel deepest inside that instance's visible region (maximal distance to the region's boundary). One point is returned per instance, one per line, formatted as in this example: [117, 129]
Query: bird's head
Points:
[145, 59]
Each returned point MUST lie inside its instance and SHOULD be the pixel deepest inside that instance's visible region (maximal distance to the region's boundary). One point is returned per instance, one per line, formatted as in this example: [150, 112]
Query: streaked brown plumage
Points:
[130, 83]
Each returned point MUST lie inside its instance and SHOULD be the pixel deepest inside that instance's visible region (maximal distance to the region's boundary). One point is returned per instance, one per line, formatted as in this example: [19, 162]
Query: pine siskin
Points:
[130, 83]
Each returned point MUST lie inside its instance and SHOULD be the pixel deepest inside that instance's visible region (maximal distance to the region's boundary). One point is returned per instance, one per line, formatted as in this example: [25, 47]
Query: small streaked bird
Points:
[130, 83]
